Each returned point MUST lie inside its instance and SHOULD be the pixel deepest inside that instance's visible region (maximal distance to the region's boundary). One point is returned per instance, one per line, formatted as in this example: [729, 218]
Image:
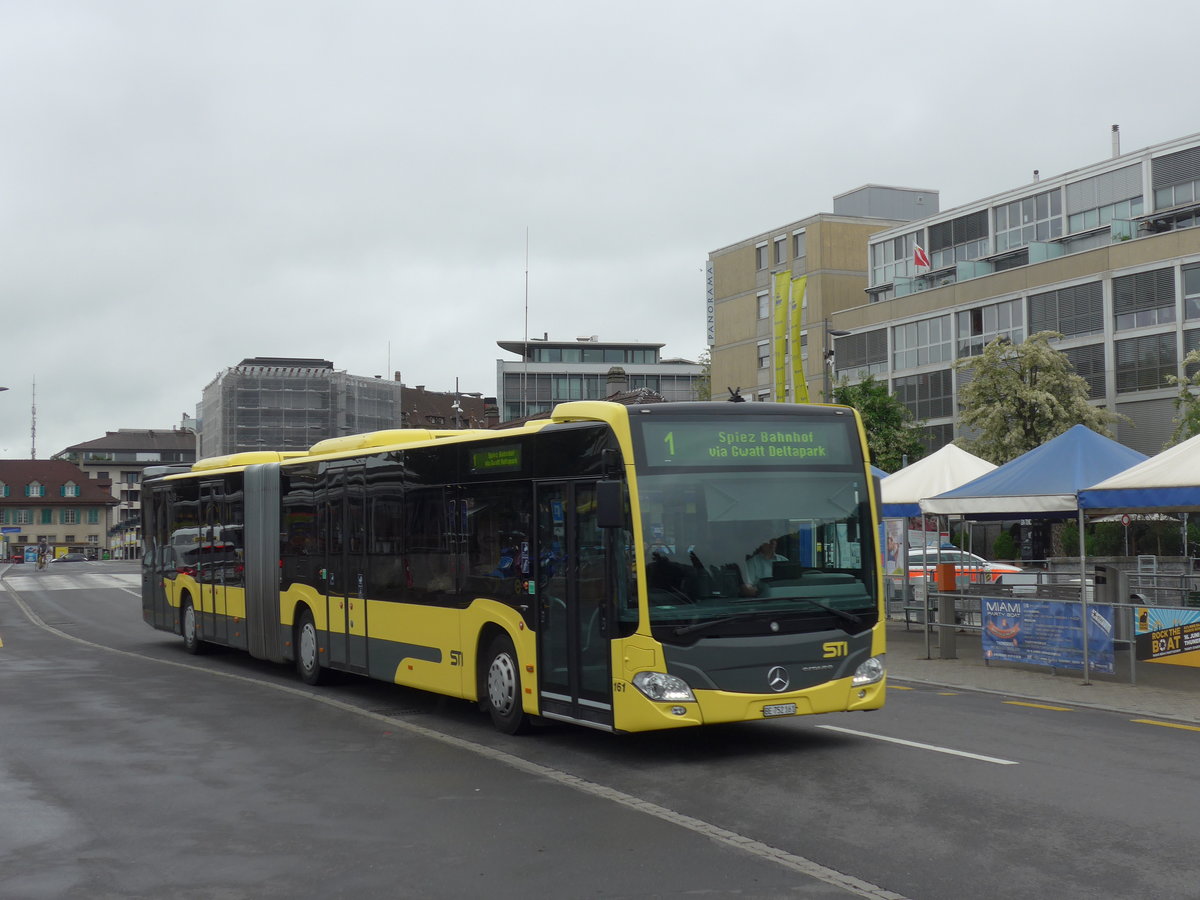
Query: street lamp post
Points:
[827, 356]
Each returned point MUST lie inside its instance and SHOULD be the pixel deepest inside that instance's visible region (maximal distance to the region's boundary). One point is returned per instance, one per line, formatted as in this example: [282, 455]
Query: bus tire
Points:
[502, 682]
[308, 655]
[188, 627]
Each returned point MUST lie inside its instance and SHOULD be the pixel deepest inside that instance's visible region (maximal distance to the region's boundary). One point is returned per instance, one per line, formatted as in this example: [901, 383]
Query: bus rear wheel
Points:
[502, 680]
[308, 656]
[187, 627]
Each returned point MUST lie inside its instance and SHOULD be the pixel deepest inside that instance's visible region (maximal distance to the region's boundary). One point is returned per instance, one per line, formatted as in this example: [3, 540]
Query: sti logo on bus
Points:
[834, 648]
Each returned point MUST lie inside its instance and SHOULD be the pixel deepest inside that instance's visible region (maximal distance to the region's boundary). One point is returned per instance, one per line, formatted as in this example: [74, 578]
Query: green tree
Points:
[1022, 395]
[704, 382]
[892, 432]
[1187, 404]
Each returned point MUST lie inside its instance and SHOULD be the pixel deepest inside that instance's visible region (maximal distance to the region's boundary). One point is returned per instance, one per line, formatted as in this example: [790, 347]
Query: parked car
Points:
[923, 563]
[70, 557]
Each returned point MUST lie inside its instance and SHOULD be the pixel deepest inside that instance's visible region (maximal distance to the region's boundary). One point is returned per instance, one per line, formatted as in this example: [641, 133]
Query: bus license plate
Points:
[779, 709]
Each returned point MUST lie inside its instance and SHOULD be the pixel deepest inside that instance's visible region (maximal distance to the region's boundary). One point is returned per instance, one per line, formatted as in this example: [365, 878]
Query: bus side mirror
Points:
[610, 506]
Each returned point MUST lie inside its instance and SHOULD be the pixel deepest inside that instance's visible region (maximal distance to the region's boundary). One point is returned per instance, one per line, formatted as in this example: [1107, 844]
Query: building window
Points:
[1069, 311]
[70, 489]
[764, 354]
[93, 538]
[1191, 294]
[1142, 363]
[1176, 178]
[47, 516]
[921, 343]
[958, 240]
[1096, 201]
[35, 489]
[928, 396]
[935, 437]
[70, 538]
[764, 305]
[1021, 222]
[864, 353]
[1144, 299]
[799, 245]
[131, 477]
[892, 259]
[760, 255]
[1089, 365]
[980, 326]
[3, 489]
[69, 517]
[22, 516]
[780, 249]
[1191, 341]
[93, 517]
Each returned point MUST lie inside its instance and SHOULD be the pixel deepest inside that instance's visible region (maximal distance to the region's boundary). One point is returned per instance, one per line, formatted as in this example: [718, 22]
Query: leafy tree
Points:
[704, 382]
[1021, 396]
[892, 432]
[1187, 404]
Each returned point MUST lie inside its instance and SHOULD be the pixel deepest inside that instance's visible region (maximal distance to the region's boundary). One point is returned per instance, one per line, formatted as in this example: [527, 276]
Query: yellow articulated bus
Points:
[623, 568]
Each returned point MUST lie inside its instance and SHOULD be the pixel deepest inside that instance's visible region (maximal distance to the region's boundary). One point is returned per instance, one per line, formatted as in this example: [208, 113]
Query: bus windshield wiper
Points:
[840, 613]
[700, 626]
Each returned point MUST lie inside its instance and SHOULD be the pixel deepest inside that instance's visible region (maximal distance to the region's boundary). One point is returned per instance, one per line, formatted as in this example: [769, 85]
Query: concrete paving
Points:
[1158, 691]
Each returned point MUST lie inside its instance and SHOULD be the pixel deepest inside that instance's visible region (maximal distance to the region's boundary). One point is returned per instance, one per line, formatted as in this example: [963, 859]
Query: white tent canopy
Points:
[937, 473]
[1170, 481]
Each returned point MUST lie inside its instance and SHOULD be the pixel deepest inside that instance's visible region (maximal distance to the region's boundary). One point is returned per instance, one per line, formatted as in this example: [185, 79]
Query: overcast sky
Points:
[186, 184]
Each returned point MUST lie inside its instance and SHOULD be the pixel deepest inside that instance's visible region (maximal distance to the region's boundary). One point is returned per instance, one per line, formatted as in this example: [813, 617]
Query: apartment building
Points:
[549, 372]
[778, 290]
[1108, 255]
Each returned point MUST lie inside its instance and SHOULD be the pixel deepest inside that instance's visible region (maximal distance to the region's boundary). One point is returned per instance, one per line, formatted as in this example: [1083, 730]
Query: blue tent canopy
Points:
[1040, 484]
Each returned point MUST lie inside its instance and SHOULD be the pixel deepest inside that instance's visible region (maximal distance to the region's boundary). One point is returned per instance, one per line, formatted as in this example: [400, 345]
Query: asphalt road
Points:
[129, 769]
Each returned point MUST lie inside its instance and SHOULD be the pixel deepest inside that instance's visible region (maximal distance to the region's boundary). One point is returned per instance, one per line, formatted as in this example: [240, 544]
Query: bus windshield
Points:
[773, 547]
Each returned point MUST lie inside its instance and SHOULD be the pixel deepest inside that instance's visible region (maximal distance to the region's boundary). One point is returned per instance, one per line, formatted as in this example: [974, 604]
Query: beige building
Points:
[781, 287]
[53, 501]
[1107, 255]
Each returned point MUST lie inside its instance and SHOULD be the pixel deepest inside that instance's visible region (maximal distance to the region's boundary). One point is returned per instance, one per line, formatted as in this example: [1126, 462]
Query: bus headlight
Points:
[869, 672]
[664, 688]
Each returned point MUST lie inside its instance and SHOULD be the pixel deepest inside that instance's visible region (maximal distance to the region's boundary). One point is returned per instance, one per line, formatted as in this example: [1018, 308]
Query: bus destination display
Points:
[770, 441]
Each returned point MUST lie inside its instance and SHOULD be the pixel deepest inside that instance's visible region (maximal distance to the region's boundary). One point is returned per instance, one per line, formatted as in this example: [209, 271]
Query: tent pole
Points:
[1087, 666]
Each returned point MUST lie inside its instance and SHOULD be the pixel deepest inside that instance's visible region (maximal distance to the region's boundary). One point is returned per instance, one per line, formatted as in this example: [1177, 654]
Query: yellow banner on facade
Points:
[783, 283]
[796, 312]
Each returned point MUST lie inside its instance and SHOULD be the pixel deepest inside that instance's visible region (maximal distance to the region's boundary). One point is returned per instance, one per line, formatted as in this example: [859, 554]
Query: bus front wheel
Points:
[308, 660]
[503, 682]
[187, 627]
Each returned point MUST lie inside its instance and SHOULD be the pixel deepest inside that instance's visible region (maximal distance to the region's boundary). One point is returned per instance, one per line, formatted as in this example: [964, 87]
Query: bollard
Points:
[947, 588]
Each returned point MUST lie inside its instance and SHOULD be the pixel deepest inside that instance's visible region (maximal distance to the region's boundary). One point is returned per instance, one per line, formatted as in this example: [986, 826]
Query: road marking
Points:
[1167, 724]
[766, 852]
[1038, 705]
[897, 687]
[919, 746]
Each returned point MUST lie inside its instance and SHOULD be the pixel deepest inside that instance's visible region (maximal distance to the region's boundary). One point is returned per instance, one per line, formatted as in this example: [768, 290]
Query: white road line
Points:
[920, 746]
[766, 852]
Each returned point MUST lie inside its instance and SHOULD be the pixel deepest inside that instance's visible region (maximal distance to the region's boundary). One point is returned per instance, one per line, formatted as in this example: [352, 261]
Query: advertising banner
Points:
[1169, 636]
[1047, 633]
[779, 303]
[796, 316]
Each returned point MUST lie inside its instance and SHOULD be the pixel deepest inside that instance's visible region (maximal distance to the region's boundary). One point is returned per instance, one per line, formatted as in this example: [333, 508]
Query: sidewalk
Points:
[1161, 691]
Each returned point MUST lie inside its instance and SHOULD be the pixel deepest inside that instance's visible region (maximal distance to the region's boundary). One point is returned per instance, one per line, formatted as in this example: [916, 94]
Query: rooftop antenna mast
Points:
[525, 354]
[33, 422]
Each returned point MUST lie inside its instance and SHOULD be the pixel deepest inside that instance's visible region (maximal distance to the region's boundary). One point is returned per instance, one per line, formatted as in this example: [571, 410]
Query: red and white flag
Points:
[920, 257]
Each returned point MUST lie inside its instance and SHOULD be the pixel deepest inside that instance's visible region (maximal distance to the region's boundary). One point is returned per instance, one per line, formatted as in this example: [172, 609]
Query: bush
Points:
[1004, 547]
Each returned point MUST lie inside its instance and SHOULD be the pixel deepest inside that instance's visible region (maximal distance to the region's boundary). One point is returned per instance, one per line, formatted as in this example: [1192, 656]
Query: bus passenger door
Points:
[574, 611]
[334, 577]
[210, 561]
[341, 506]
[355, 566]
